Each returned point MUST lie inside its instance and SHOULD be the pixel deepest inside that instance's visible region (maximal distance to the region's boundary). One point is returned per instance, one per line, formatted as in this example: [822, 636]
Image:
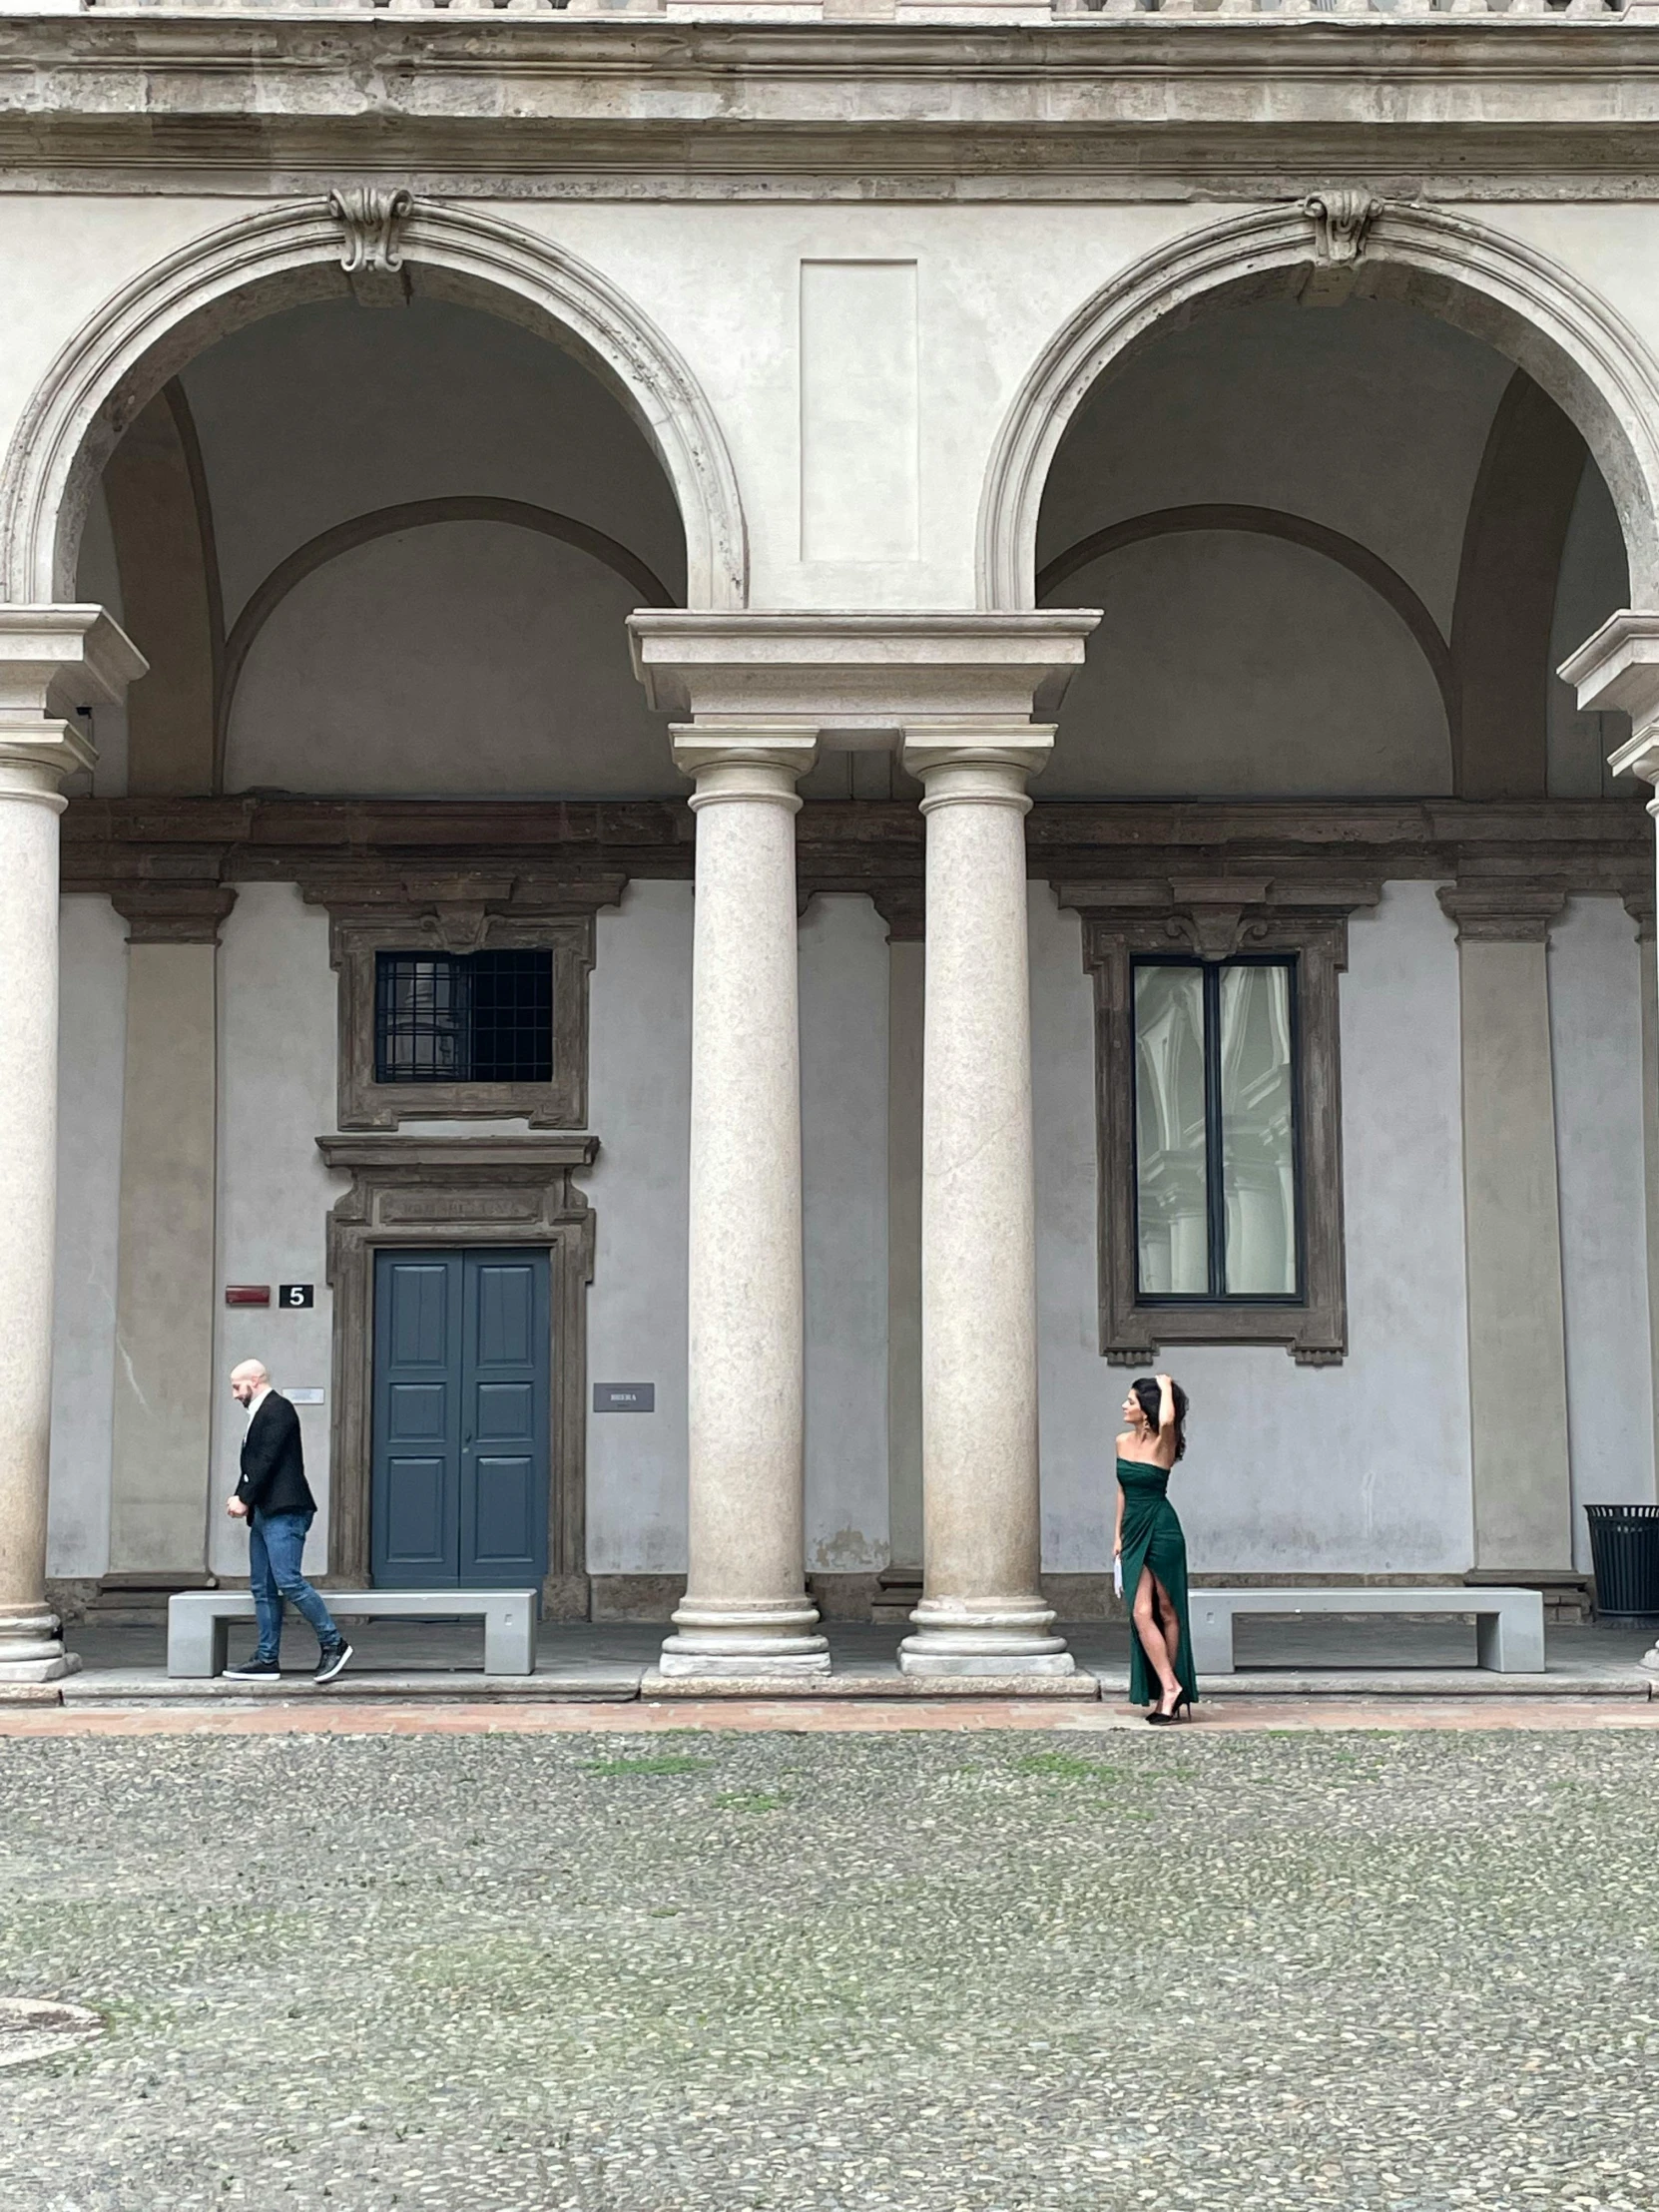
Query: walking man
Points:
[275, 1500]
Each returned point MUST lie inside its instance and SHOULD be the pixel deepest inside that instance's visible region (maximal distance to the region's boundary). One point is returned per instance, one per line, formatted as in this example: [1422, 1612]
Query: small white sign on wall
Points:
[305, 1397]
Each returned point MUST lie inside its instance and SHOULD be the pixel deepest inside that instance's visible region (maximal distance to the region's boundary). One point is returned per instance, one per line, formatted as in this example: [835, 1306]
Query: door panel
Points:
[461, 1429]
[418, 1420]
[503, 1535]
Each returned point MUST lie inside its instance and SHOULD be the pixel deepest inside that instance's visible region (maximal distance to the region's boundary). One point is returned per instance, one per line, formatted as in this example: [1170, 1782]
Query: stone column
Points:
[1618, 668]
[981, 1612]
[1513, 1231]
[901, 1582]
[745, 1610]
[53, 661]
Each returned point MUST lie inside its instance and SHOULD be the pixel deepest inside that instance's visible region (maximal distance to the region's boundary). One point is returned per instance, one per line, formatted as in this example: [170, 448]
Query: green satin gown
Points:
[1152, 1538]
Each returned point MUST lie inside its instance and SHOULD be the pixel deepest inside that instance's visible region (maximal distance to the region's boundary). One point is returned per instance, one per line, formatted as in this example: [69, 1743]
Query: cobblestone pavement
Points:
[787, 1973]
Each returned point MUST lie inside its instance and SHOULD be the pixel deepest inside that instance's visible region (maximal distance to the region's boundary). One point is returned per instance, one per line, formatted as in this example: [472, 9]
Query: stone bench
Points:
[198, 1622]
[1509, 1624]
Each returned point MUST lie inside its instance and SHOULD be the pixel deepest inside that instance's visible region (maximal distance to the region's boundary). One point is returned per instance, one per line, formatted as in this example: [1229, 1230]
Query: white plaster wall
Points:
[466, 657]
[844, 1129]
[639, 1106]
[275, 1097]
[1596, 1043]
[1232, 666]
[92, 1045]
[1361, 1467]
[312, 417]
[994, 283]
[1371, 418]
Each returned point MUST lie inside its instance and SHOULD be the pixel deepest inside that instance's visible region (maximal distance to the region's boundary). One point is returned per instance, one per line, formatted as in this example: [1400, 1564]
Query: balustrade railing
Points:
[982, 11]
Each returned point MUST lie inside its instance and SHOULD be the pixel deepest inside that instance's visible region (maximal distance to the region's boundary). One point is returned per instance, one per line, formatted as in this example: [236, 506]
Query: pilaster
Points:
[1512, 1229]
[161, 1467]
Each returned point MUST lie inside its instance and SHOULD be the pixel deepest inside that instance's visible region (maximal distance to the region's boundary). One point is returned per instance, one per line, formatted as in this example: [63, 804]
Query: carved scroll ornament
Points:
[1341, 220]
[372, 216]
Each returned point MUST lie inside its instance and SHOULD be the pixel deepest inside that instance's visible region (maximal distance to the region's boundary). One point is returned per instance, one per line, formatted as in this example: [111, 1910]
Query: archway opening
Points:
[1340, 550]
[385, 551]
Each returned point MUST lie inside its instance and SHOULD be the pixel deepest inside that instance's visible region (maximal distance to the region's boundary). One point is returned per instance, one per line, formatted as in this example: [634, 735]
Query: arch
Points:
[1275, 522]
[284, 256]
[1507, 581]
[1569, 341]
[385, 522]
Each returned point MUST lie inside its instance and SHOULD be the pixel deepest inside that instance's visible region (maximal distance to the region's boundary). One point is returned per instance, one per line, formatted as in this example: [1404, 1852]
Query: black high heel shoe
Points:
[1158, 1719]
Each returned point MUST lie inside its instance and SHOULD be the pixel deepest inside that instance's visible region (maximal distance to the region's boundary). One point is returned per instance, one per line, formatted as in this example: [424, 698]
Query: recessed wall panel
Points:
[859, 413]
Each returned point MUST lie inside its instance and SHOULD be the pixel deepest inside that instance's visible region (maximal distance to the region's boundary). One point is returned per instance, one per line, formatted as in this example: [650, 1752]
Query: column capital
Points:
[743, 760]
[56, 664]
[159, 912]
[982, 763]
[1502, 913]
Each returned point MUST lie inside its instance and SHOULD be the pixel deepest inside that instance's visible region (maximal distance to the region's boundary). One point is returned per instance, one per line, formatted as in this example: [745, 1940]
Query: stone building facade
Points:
[753, 740]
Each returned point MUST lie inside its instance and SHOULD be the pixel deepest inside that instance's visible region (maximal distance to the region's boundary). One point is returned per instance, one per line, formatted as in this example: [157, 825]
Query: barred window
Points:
[475, 1017]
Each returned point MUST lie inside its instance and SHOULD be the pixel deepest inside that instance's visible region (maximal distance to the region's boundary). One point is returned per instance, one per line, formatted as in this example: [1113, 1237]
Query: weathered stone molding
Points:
[413, 1191]
[398, 851]
[198, 294]
[159, 912]
[564, 102]
[1502, 913]
[1305, 914]
[1567, 339]
[461, 912]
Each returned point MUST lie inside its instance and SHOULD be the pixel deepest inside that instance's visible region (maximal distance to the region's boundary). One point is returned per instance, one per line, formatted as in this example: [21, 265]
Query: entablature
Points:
[577, 855]
[708, 101]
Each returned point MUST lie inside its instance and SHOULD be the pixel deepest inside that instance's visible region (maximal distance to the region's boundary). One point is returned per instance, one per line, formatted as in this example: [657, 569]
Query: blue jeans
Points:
[276, 1546]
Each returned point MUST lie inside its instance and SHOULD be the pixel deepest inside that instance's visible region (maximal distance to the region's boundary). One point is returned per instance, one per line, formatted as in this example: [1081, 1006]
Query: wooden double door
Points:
[462, 1358]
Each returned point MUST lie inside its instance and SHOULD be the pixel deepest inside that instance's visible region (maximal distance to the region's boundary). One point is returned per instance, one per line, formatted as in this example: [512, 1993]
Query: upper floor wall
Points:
[864, 331]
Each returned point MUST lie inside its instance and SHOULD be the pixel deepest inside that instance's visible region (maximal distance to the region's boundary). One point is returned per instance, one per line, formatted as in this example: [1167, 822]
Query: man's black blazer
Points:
[274, 1461]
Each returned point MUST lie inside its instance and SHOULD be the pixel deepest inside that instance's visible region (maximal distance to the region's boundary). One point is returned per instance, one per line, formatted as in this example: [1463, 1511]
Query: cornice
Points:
[560, 103]
[576, 855]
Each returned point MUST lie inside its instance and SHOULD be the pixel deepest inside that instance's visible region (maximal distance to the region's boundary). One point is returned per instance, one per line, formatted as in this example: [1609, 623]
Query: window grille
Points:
[475, 1017]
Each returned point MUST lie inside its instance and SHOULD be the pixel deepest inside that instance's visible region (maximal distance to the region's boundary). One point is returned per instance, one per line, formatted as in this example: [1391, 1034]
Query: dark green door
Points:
[460, 1476]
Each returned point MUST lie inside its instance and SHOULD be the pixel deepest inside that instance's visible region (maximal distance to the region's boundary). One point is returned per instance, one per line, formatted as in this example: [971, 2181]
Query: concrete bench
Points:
[1509, 1624]
[198, 1622]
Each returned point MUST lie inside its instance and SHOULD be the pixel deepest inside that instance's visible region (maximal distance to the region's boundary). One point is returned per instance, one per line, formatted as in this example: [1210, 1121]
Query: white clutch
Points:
[1117, 1573]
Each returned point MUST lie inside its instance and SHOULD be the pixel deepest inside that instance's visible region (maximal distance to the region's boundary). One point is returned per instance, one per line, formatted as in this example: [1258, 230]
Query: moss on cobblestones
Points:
[768, 1973]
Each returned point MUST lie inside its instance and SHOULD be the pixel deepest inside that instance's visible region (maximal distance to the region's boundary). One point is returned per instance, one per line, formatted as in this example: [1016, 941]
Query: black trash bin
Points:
[1624, 1548]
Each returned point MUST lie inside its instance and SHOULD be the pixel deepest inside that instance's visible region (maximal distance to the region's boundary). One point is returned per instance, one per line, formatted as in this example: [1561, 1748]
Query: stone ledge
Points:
[152, 1687]
[839, 1687]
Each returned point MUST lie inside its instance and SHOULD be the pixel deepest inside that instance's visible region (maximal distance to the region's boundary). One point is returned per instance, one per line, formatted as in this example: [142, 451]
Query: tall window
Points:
[1217, 1202]
[475, 1017]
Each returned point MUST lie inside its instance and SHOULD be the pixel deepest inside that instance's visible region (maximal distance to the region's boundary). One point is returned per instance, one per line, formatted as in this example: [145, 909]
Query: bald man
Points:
[275, 1500]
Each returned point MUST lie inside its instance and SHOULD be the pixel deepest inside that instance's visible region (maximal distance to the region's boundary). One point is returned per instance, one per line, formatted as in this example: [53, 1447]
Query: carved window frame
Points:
[356, 941]
[1312, 1329]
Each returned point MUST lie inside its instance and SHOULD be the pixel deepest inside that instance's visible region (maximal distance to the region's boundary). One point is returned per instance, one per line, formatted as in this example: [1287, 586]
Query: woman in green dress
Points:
[1152, 1550]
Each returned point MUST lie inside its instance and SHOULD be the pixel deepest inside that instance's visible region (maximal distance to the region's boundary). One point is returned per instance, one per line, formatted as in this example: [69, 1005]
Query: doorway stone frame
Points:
[496, 1190]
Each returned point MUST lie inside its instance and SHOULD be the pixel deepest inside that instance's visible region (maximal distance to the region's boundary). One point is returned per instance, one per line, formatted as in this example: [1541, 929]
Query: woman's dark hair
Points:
[1144, 1388]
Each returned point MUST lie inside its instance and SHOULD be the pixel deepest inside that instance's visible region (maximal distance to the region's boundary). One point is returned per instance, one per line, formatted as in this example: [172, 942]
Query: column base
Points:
[728, 1642]
[957, 1639]
[31, 1651]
